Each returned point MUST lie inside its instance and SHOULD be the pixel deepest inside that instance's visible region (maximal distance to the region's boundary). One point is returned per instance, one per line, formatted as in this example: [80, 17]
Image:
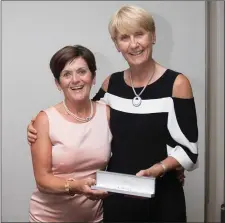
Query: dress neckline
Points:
[149, 85]
[76, 123]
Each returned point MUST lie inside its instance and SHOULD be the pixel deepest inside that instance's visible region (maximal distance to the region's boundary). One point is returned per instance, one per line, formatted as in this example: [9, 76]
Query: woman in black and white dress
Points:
[153, 123]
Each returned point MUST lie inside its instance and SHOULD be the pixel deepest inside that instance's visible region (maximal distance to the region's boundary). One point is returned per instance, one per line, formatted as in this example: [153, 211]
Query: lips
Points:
[76, 88]
[136, 53]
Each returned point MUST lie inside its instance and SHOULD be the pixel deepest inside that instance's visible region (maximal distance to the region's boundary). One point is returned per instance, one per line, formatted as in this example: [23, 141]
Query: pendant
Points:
[136, 101]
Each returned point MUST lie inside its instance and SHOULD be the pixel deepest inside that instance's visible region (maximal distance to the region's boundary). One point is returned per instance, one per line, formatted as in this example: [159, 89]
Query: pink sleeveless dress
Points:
[78, 151]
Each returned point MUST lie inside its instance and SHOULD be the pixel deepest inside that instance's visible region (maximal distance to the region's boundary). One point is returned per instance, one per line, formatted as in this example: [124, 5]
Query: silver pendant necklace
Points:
[137, 99]
[87, 119]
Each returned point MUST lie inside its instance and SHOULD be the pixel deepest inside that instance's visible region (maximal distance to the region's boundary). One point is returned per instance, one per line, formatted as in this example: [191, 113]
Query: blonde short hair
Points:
[130, 18]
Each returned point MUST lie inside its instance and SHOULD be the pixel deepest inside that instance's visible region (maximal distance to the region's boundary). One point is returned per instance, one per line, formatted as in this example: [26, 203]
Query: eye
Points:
[66, 74]
[124, 37]
[82, 72]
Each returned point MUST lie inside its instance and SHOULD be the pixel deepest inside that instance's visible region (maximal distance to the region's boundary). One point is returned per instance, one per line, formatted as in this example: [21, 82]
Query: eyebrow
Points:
[66, 70]
[72, 70]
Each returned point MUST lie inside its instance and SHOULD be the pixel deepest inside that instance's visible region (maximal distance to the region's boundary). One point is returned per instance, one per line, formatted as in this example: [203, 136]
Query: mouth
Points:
[137, 53]
[77, 88]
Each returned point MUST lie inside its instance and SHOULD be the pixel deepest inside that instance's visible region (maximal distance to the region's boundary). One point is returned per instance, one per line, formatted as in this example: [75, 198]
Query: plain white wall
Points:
[34, 31]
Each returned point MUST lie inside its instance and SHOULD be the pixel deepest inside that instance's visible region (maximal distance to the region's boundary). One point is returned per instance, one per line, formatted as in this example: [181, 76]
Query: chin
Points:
[79, 98]
[138, 62]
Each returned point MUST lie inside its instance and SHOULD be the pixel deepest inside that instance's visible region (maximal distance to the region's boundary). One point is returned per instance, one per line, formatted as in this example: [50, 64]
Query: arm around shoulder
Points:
[104, 88]
[105, 83]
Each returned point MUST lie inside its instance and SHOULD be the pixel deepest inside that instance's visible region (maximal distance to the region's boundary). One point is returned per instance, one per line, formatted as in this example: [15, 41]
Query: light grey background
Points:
[34, 31]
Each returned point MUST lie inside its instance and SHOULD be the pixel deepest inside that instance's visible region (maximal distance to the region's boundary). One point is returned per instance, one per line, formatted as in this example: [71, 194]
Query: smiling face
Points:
[76, 80]
[136, 47]
[133, 31]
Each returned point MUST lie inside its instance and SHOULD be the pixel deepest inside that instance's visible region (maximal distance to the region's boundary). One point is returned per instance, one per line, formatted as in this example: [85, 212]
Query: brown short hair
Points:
[68, 54]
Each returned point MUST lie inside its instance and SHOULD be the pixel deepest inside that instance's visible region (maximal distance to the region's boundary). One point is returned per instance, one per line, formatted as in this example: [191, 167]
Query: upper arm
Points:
[105, 84]
[182, 124]
[41, 149]
[182, 87]
[101, 93]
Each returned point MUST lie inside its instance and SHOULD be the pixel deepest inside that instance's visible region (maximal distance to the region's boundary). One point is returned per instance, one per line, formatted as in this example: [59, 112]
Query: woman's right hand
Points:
[84, 187]
[31, 132]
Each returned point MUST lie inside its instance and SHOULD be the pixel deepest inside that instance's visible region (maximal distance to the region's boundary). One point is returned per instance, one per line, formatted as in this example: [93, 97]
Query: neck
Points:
[142, 72]
[81, 108]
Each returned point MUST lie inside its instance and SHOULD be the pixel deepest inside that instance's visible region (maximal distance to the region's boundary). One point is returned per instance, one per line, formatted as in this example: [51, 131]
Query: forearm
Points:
[170, 163]
[183, 133]
[49, 191]
[54, 185]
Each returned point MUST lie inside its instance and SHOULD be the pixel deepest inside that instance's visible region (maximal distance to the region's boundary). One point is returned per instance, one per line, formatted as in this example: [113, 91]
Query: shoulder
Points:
[182, 87]
[105, 83]
[41, 121]
[113, 76]
[105, 107]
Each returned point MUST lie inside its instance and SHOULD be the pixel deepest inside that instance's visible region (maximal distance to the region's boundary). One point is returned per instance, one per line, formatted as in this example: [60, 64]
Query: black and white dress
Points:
[161, 126]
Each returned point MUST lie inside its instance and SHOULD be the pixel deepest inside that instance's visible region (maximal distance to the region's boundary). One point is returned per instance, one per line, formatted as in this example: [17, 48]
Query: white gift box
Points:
[125, 184]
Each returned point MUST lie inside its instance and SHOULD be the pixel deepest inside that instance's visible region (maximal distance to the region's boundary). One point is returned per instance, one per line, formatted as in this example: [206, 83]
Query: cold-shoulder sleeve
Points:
[183, 132]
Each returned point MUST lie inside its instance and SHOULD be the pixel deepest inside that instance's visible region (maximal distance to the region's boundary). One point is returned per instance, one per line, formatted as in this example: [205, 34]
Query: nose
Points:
[133, 42]
[75, 77]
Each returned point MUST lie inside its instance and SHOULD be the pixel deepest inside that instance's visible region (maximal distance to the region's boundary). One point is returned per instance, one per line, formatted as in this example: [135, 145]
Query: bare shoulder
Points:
[41, 122]
[182, 87]
[106, 83]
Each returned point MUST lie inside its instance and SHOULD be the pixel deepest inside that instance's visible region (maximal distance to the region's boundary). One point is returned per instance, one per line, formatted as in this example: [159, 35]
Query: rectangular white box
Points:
[125, 184]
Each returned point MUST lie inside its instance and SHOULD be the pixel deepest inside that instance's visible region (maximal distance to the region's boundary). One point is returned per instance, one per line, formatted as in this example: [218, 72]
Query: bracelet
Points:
[164, 168]
[68, 188]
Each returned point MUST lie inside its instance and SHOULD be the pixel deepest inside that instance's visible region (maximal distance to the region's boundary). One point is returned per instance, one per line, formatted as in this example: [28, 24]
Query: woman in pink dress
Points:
[69, 148]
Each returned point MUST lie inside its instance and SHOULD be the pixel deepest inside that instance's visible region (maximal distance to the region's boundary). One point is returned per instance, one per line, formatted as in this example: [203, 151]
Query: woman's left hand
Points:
[154, 171]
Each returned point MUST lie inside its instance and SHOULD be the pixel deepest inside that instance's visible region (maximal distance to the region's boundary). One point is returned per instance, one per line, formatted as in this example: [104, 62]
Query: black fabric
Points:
[100, 94]
[187, 118]
[168, 205]
[139, 141]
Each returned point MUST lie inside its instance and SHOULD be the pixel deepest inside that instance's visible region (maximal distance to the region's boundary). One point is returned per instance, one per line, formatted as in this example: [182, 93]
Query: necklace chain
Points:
[137, 99]
[79, 118]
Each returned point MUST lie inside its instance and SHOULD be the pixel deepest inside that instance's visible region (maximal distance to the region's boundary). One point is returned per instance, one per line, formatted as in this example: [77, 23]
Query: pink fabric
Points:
[78, 151]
